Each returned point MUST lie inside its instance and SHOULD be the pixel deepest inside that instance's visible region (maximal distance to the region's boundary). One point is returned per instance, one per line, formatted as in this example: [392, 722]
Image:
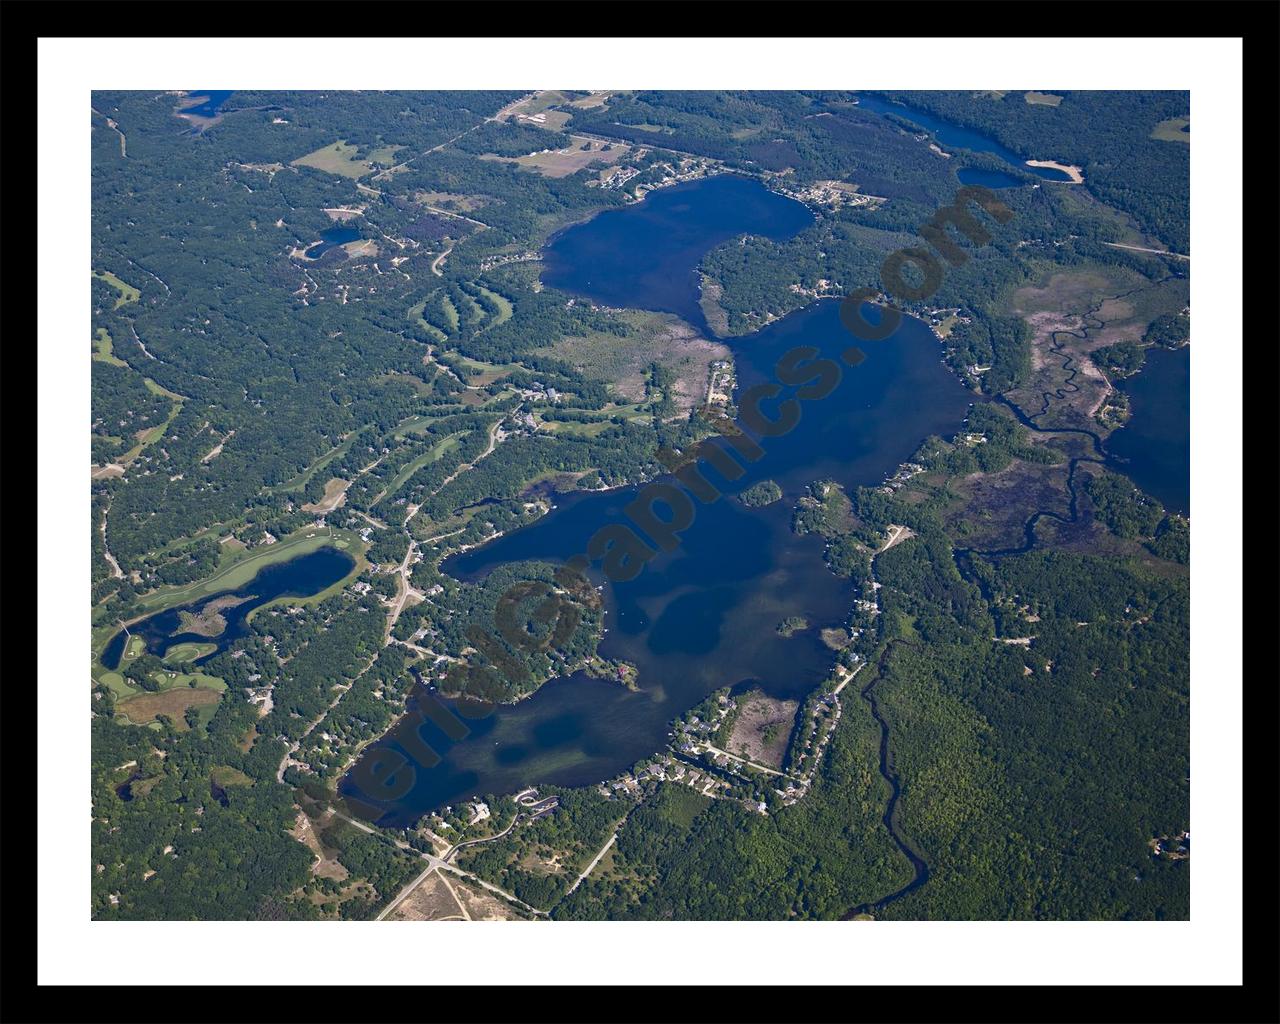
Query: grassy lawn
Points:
[102, 349]
[335, 491]
[128, 293]
[182, 653]
[479, 373]
[384, 154]
[155, 433]
[501, 301]
[415, 316]
[450, 312]
[337, 158]
[1176, 129]
[177, 680]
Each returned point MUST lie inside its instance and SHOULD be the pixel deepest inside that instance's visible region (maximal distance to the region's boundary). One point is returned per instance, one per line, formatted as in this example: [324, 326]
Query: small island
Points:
[791, 625]
[758, 495]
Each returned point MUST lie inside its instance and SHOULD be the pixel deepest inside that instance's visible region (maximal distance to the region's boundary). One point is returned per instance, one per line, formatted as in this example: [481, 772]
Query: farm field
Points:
[578, 153]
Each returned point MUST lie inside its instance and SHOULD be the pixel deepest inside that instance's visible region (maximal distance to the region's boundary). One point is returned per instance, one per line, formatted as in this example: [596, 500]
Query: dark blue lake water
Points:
[300, 577]
[949, 135]
[988, 179]
[212, 102]
[1154, 448]
[646, 256]
[705, 615]
[329, 238]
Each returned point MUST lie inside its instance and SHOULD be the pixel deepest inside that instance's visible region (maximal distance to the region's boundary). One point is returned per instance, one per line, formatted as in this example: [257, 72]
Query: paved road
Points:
[1158, 252]
[594, 861]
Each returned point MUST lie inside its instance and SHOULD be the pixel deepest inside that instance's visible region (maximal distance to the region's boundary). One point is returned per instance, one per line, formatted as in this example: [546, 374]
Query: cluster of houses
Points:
[832, 195]
[529, 256]
[720, 383]
[685, 169]
[903, 473]
[616, 177]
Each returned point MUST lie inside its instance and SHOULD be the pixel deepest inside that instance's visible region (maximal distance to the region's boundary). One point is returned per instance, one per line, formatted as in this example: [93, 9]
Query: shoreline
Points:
[1076, 173]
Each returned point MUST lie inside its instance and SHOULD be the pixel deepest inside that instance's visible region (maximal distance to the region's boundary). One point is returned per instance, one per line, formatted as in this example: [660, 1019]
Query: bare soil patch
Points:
[762, 729]
[335, 493]
[146, 706]
[430, 901]
[483, 906]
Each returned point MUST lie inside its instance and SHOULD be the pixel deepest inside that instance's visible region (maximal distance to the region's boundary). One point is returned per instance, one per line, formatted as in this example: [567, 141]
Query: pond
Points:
[329, 238]
[299, 577]
[211, 101]
[949, 134]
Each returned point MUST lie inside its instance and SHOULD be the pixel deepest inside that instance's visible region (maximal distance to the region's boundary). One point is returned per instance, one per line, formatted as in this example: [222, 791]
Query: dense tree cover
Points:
[827, 511]
[1075, 755]
[1125, 510]
[813, 136]
[1107, 133]
[540, 859]
[1172, 540]
[227, 858]
[463, 617]
[1123, 359]
[1169, 330]
[759, 494]
[681, 856]
[123, 408]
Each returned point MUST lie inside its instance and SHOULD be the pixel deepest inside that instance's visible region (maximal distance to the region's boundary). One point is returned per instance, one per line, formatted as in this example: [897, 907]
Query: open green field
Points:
[223, 775]
[128, 293]
[117, 683]
[415, 316]
[176, 680]
[1176, 129]
[501, 301]
[384, 154]
[102, 350]
[143, 708]
[181, 653]
[450, 312]
[336, 158]
[430, 455]
[419, 424]
[479, 373]
[573, 428]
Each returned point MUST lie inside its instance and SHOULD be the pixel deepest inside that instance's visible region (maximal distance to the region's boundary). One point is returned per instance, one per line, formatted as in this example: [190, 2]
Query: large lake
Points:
[1154, 448]
[646, 256]
[705, 615]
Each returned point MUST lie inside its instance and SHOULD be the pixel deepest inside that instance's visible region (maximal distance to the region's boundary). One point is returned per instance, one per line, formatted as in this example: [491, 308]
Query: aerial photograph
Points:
[546, 505]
